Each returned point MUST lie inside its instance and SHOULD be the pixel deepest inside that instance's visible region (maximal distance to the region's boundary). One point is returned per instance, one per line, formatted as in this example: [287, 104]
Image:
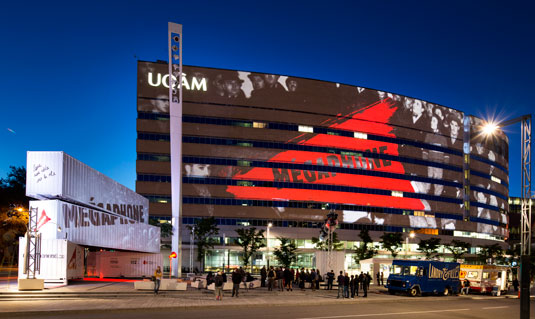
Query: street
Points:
[425, 307]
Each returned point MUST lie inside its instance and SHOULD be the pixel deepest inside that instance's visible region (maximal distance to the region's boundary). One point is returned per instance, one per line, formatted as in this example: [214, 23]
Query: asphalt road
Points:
[447, 308]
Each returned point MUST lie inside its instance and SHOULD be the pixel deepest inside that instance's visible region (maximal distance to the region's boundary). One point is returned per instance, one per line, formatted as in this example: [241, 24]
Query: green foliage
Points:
[251, 241]
[365, 249]
[13, 223]
[392, 242]
[166, 229]
[203, 232]
[324, 245]
[458, 248]
[489, 252]
[429, 247]
[286, 253]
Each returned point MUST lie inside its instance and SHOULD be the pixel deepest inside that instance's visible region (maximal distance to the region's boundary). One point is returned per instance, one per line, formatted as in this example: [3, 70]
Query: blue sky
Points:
[69, 69]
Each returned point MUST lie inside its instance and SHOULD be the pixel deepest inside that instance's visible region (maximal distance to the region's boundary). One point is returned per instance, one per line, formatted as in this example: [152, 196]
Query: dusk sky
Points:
[69, 69]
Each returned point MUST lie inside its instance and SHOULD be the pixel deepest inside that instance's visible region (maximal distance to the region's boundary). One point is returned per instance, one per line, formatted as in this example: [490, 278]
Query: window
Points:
[306, 129]
[360, 135]
[397, 194]
[259, 125]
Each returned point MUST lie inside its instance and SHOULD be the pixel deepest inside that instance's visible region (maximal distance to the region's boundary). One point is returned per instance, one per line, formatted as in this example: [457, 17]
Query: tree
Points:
[429, 247]
[286, 253]
[324, 244]
[166, 229]
[203, 232]
[13, 223]
[365, 249]
[251, 241]
[458, 248]
[392, 242]
[489, 252]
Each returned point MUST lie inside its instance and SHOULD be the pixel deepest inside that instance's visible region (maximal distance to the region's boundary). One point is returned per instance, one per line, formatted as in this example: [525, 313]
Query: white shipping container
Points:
[61, 260]
[56, 175]
[122, 264]
[90, 227]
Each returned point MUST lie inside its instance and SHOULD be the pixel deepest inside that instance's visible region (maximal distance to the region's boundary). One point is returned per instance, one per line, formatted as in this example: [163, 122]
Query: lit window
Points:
[259, 125]
[397, 194]
[496, 179]
[306, 129]
[360, 135]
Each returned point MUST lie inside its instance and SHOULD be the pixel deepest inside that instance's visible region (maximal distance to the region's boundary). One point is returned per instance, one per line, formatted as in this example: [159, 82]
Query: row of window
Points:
[315, 205]
[273, 145]
[312, 129]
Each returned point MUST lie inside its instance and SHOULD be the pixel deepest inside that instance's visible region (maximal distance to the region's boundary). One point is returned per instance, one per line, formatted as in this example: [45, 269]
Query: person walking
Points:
[330, 279]
[271, 278]
[263, 276]
[157, 279]
[218, 285]
[340, 281]
[236, 281]
[346, 286]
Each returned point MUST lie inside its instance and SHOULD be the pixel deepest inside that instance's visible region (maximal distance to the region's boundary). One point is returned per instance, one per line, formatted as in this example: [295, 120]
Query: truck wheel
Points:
[447, 291]
[414, 292]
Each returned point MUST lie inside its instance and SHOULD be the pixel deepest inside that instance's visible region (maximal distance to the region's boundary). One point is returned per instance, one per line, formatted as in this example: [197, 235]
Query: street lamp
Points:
[269, 225]
[411, 236]
[525, 244]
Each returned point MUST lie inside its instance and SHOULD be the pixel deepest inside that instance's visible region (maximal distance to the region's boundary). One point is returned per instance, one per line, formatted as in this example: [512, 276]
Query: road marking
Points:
[386, 314]
[496, 307]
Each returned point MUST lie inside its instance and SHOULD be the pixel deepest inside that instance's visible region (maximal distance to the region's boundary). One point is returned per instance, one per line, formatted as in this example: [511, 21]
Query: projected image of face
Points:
[197, 170]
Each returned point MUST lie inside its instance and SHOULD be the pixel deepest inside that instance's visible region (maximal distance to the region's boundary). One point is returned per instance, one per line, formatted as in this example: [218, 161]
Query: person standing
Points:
[340, 281]
[271, 278]
[330, 279]
[382, 279]
[218, 285]
[365, 283]
[378, 277]
[288, 279]
[318, 279]
[346, 286]
[263, 276]
[313, 278]
[236, 281]
[352, 286]
[280, 279]
[157, 279]
[515, 284]
[466, 287]
[368, 280]
[357, 283]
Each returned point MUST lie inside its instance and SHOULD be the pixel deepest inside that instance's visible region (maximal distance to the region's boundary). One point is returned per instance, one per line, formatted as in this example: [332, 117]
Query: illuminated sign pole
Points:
[175, 112]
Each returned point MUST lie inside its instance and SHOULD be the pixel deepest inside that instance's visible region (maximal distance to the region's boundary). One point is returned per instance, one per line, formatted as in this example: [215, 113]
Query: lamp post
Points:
[525, 238]
[269, 225]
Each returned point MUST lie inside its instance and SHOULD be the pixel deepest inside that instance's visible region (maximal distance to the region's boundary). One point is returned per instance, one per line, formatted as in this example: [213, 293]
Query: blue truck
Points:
[417, 277]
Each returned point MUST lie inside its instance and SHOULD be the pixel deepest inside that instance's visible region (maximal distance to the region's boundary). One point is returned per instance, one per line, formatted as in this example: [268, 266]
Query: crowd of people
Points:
[285, 278]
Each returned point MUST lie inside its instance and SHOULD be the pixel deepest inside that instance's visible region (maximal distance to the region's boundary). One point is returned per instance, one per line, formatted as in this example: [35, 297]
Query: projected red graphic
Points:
[373, 118]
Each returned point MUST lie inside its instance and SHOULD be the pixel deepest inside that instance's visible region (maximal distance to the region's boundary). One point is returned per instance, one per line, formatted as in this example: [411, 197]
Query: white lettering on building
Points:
[158, 80]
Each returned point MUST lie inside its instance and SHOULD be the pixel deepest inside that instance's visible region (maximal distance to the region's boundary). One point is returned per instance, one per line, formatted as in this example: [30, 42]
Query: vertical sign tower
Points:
[175, 112]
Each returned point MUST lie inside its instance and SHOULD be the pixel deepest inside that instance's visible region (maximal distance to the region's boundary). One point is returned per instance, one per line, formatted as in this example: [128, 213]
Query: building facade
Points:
[263, 148]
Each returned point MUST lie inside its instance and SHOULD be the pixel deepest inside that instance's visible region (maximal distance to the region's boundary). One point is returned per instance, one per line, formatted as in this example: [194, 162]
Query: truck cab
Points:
[417, 277]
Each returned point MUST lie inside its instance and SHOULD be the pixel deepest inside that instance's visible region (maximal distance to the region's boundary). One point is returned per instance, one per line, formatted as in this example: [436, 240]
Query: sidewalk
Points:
[92, 296]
